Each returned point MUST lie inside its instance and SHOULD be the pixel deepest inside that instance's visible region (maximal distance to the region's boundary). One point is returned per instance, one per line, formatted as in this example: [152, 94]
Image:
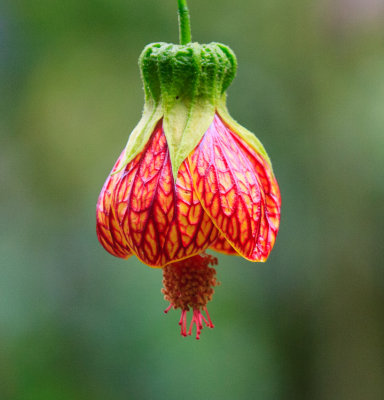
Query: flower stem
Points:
[184, 23]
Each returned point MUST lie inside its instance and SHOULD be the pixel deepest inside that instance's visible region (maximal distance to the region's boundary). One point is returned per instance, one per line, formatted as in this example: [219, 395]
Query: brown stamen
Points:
[188, 284]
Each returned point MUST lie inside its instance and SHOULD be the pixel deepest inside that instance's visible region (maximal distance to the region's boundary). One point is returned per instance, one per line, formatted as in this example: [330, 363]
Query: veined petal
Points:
[108, 230]
[222, 245]
[270, 224]
[162, 221]
[238, 191]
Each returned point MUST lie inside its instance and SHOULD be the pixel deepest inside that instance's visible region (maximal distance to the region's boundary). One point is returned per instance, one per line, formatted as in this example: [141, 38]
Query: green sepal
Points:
[142, 132]
[244, 133]
[184, 85]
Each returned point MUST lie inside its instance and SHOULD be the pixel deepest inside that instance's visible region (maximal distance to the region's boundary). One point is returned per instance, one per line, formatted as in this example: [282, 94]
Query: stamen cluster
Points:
[188, 284]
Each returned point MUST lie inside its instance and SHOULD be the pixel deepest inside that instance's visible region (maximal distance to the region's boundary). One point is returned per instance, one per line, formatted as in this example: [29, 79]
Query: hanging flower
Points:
[190, 177]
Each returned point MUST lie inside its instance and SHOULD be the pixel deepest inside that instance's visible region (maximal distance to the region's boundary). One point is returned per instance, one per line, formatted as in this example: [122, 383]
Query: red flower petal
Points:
[237, 189]
[108, 230]
[222, 245]
[271, 222]
[162, 222]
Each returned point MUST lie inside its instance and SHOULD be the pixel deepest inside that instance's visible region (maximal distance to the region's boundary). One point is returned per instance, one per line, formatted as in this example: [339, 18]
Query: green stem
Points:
[184, 23]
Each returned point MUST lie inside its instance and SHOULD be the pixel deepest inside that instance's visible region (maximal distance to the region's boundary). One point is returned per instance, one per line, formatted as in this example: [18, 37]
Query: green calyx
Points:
[176, 73]
[184, 85]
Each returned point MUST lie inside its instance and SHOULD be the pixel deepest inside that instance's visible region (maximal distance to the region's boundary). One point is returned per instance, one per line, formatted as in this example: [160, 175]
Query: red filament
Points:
[188, 284]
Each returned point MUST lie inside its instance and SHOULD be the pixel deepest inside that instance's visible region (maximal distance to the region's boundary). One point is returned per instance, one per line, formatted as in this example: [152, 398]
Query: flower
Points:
[189, 179]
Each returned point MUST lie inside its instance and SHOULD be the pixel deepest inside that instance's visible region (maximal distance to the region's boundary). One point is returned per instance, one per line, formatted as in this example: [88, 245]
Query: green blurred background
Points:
[77, 323]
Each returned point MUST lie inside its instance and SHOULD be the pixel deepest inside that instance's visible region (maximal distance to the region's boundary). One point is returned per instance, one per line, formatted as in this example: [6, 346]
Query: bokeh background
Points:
[76, 323]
